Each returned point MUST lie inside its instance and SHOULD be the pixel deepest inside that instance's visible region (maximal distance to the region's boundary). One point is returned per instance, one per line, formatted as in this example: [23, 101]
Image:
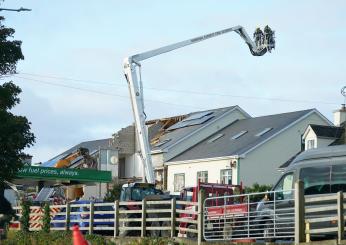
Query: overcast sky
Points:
[72, 79]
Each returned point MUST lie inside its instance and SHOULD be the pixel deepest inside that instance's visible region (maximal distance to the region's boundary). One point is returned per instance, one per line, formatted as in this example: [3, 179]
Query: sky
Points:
[72, 78]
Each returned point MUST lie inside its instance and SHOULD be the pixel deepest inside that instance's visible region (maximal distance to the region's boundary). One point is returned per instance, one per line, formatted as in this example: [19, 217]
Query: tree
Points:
[15, 133]
[257, 188]
[114, 192]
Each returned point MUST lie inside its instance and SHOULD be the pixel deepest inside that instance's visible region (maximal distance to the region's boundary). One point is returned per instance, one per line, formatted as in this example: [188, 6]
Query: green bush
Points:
[255, 188]
[114, 193]
[46, 218]
[24, 220]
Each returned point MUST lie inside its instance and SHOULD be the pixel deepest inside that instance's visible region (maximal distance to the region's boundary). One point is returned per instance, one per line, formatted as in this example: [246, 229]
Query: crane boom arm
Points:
[263, 43]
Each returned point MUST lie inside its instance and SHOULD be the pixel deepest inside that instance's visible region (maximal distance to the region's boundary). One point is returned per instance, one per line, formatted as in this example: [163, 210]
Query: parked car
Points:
[80, 215]
[322, 170]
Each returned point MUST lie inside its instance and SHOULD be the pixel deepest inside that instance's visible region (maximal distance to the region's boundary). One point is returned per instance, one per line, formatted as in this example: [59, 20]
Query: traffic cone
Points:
[77, 236]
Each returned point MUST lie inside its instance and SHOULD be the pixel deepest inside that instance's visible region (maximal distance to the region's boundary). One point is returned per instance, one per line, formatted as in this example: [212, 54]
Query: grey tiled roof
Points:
[91, 145]
[174, 135]
[226, 146]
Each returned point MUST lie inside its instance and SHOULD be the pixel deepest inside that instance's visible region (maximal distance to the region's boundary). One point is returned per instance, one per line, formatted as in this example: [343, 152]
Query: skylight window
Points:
[266, 130]
[238, 135]
[216, 137]
[161, 143]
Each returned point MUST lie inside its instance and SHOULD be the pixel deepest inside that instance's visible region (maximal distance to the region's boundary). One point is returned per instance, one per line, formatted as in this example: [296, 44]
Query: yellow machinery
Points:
[66, 161]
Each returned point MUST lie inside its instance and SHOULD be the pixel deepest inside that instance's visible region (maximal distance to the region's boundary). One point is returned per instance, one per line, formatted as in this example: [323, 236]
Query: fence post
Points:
[173, 216]
[91, 218]
[200, 216]
[144, 212]
[299, 212]
[307, 231]
[68, 210]
[116, 217]
[341, 223]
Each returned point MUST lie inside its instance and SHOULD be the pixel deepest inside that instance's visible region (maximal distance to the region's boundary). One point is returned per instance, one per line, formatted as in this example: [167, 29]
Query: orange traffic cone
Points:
[78, 238]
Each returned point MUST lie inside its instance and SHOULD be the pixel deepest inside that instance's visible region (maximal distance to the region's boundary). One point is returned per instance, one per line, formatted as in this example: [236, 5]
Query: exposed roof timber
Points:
[207, 124]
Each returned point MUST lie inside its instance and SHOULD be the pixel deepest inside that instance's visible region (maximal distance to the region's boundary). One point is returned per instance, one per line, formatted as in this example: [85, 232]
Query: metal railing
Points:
[265, 215]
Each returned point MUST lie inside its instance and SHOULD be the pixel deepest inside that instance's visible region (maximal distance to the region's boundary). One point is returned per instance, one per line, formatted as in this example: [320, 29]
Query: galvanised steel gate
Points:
[265, 215]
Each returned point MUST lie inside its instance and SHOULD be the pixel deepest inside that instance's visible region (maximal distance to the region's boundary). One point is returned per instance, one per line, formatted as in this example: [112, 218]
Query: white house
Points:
[248, 150]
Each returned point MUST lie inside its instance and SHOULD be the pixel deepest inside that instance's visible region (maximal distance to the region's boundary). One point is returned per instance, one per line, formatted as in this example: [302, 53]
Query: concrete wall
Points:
[97, 191]
[261, 164]
[190, 170]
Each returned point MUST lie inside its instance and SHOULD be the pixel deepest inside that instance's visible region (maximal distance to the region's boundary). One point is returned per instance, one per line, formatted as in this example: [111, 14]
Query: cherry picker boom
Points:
[264, 41]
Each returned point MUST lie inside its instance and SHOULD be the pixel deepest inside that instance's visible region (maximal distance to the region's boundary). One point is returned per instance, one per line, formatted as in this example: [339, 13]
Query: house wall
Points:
[260, 165]
[203, 134]
[310, 136]
[190, 170]
[157, 159]
[324, 142]
[133, 166]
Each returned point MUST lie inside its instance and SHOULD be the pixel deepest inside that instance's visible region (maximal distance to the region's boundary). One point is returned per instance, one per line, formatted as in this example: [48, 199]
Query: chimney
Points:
[340, 115]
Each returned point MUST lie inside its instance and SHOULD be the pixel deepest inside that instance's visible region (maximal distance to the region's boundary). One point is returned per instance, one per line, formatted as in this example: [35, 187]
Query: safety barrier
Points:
[257, 216]
[275, 215]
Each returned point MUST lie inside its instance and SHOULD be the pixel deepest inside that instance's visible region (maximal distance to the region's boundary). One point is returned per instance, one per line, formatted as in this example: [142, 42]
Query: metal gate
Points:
[257, 216]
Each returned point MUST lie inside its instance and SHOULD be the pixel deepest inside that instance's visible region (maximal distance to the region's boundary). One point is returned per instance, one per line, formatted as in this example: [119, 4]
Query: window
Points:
[310, 144]
[202, 176]
[263, 132]
[316, 180]
[338, 181]
[179, 182]
[226, 176]
[239, 134]
[161, 143]
[215, 138]
[284, 187]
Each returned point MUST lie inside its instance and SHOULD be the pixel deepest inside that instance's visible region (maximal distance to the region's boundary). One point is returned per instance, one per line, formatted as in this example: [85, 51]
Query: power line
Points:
[187, 91]
[102, 93]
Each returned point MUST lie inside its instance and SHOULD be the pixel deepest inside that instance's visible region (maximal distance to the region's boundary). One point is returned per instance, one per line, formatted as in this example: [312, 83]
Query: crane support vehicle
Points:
[263, 42]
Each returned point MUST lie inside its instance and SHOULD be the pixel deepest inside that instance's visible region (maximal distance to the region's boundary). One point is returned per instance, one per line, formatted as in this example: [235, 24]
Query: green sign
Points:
[83, 175]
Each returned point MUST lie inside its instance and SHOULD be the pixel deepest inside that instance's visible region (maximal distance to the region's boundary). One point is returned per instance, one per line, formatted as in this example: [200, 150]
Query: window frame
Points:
[175, 181]
[200, 176]
[310, 144]
[228, 176]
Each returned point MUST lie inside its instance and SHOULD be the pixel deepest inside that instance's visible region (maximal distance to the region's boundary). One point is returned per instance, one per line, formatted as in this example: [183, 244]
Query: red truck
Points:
[227, 209]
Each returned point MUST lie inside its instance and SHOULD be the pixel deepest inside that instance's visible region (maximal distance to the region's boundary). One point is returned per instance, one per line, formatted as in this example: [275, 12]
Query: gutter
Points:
[203, 160]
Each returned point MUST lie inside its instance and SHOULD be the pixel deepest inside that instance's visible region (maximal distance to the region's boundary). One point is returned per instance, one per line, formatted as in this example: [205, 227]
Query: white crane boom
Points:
[264, 41]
